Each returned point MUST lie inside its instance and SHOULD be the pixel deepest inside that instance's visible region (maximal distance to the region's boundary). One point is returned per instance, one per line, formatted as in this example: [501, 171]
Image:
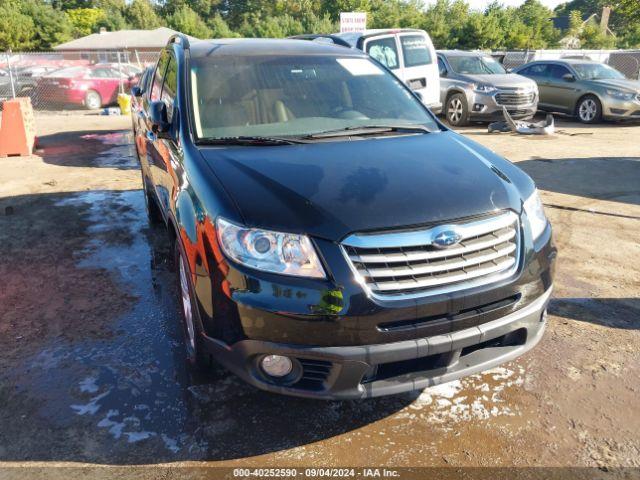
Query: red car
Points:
[91, 87]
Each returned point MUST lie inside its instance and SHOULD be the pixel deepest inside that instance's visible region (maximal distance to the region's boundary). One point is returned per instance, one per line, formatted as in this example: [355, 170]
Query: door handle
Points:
[417, 83]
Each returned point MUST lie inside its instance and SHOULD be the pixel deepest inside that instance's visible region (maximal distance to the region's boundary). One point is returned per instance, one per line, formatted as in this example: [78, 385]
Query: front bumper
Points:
[485, 107]
[616, 109]
[350, 372]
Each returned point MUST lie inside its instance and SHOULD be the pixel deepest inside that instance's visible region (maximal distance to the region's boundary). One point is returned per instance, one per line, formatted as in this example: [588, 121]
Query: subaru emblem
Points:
[446, 238]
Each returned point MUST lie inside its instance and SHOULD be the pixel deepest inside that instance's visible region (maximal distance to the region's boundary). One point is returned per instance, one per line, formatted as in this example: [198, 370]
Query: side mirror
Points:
[136, 91]
[159, 120]
[443, 73]
[568, 77]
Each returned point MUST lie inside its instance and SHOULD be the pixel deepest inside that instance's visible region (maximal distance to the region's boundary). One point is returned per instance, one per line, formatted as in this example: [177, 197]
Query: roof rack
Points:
[315, 36]
[179, 38]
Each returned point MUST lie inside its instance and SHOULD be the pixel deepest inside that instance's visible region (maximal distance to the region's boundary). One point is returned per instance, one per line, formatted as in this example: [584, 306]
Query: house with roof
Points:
[134, 45]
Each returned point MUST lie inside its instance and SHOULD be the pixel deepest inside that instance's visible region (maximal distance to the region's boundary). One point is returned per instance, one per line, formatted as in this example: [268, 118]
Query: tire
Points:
[589, 109]
[457, 110]
[197, 359]
[92, 100]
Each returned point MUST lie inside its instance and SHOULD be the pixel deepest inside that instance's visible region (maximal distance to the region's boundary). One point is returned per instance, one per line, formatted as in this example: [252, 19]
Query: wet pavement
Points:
[93, 367]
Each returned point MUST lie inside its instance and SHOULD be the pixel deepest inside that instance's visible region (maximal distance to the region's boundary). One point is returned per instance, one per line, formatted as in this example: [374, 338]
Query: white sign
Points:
[353, 22]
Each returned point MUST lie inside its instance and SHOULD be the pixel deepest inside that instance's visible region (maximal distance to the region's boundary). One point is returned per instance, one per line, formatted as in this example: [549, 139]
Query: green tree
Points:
[445, 21]
[185, 20]
[140, 14]
[629, 9]
[220, 28]
[85, 20]
[538, 18]
[52, 26]
[16, 29]
[481, 31]
[592, 36]
[114, 14]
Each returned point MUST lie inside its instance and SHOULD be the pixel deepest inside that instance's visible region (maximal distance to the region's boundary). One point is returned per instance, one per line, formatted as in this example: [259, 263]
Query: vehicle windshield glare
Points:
[280, 96]
[596, 71]
[475, 65]
[68, 72]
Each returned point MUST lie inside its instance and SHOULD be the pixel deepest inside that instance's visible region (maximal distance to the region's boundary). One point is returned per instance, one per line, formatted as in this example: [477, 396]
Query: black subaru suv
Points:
[332, 238]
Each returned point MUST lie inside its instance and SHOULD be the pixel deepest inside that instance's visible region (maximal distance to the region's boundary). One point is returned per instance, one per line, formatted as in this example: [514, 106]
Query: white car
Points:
[407, 52]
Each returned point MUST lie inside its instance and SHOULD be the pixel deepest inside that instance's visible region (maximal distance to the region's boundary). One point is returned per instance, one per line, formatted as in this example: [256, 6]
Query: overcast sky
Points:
[481, 4]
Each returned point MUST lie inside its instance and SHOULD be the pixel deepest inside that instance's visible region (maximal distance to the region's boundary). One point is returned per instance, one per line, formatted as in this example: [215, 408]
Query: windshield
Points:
[474, 65]
[596, 71]
[295, 96]
[68, 72]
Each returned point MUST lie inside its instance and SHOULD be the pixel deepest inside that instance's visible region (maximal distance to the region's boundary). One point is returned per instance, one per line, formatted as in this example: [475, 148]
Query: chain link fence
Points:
[71, 80]
[626, 61]
[93, 79]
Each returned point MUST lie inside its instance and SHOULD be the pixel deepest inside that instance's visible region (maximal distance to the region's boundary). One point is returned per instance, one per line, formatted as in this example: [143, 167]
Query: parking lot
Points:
[93, 371]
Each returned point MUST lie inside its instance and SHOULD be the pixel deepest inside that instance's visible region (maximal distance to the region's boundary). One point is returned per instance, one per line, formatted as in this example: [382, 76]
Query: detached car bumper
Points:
[351, 372]
[436, 107]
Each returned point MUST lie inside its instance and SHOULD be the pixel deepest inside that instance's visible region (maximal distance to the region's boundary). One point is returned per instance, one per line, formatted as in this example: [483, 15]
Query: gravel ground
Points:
[91, 355]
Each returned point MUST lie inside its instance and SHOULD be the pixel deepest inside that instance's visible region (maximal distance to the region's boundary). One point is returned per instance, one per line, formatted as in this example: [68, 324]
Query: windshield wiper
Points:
[369, 130]
[250, 140]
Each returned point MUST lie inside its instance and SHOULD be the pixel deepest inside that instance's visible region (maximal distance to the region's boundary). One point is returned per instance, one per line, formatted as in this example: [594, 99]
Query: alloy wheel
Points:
[93, 100]
[186, 306]
[588, 110]
[455, 110]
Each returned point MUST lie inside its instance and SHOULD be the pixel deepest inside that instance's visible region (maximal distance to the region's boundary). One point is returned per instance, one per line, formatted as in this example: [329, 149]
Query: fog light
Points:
[477, 107]
[276, 365]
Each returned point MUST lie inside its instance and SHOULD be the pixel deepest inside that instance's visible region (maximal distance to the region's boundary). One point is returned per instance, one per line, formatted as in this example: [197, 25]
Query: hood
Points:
[332, 189]
[503, 80]
[622, 83]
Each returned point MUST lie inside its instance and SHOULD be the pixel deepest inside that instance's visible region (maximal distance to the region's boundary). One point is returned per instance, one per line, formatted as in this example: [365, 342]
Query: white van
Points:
[407, 52]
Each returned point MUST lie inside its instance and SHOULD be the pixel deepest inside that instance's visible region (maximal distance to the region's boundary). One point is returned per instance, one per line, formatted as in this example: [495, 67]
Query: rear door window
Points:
[156, 87]
[537, 70]
[415, 50]
[384, 50]
[556, 71]
[170, 86]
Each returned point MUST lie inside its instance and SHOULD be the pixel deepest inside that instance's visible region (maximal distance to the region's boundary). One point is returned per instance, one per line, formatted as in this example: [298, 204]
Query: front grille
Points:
[514, 99]
[408, 263]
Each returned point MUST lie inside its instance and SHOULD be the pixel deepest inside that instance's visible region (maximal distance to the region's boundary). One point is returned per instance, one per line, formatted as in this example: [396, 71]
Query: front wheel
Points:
[196, 356]
[457, 111]
[589, 109]
[92, 100]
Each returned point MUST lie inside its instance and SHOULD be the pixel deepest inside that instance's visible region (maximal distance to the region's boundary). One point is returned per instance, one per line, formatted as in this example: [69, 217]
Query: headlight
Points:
[284, 253]
[535, 213]
[484, 88]
[620, 94]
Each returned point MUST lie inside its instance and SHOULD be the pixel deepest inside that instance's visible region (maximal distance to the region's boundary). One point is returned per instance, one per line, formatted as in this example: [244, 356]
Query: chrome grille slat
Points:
[510, 99]
[477, 243]
[407, 263]
[437, 280]
[442, 266]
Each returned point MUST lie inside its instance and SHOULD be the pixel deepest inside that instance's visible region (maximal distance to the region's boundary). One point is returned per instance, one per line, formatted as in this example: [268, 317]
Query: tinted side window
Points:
[557, 71]
[158, 76]
[384, 50]
[538, 70]
[415, 50]
[170, 86]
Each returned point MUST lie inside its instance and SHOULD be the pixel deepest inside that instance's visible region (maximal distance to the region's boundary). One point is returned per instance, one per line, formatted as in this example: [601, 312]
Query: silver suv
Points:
[474, 87]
